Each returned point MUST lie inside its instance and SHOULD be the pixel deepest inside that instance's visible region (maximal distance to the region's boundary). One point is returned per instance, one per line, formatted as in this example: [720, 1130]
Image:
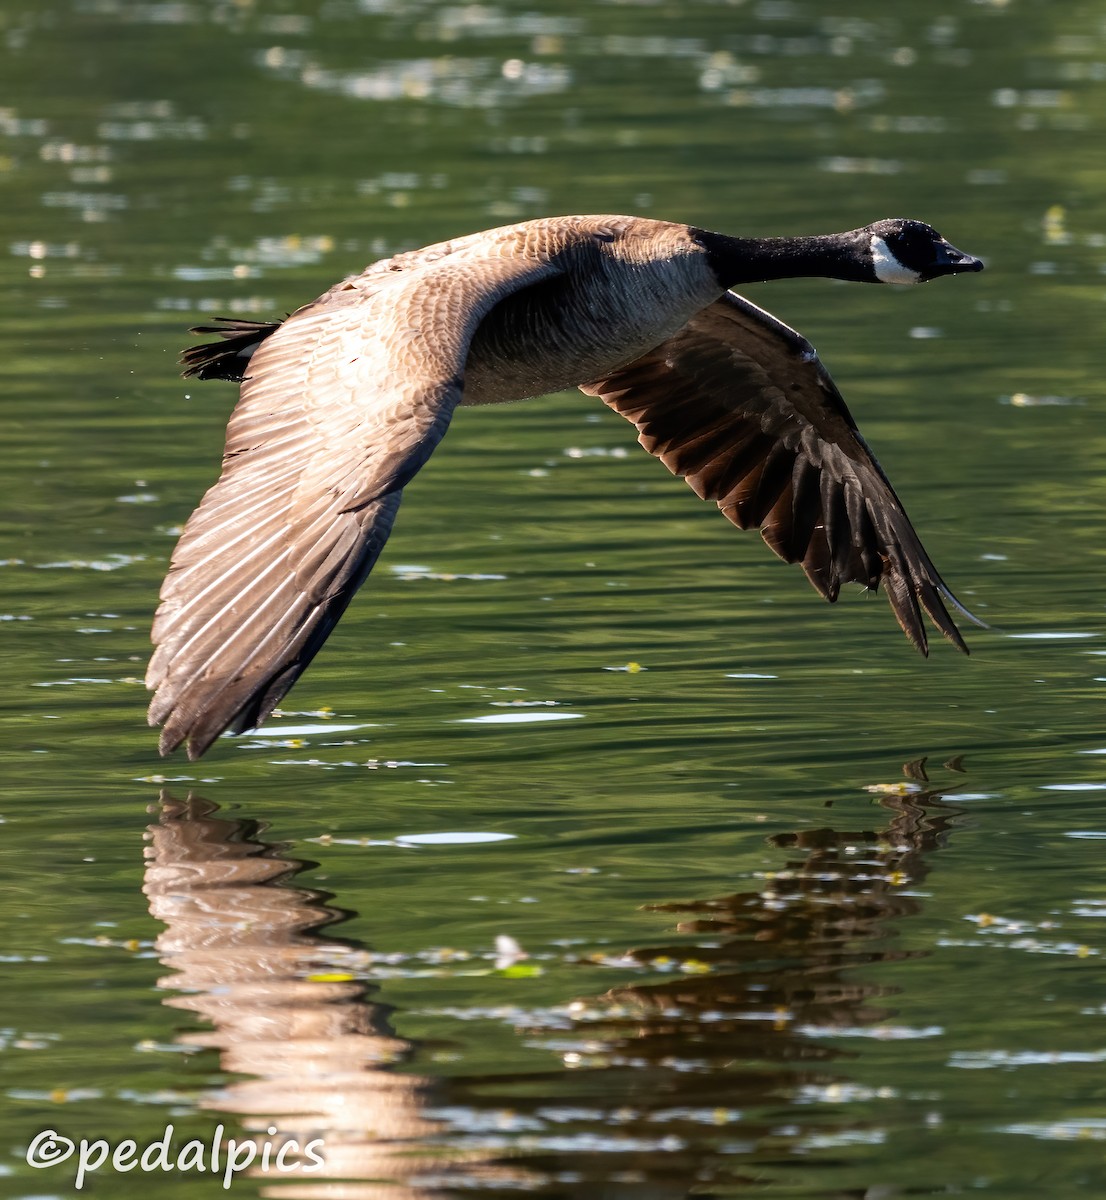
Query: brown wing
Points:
[342, 406]
[740, 406]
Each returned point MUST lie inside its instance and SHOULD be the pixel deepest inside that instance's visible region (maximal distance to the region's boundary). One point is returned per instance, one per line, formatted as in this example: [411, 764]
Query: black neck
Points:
[751, 260]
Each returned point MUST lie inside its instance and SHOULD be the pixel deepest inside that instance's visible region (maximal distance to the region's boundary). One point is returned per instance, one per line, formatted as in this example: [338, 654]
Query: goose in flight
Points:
[346, 399]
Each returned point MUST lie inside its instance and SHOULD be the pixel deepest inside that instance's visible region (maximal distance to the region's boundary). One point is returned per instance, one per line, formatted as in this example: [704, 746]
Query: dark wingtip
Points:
[909, 599]
[944, 621]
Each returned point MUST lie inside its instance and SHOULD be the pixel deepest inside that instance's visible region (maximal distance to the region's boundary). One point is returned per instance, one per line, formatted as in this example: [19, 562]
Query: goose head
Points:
[902, 251]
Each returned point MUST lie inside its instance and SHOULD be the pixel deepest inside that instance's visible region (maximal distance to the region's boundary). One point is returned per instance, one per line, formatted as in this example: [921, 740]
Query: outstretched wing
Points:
[343, 404]
[740, 406]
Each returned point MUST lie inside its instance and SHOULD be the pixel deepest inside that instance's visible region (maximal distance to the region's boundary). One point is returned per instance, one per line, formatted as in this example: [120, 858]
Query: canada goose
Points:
[344, 401]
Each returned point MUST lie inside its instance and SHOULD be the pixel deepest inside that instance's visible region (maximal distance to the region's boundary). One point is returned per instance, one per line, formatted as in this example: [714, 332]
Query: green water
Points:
[747, 971]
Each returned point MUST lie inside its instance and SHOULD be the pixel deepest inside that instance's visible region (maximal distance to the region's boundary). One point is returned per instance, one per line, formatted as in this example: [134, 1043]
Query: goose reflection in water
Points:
[704, 1079]
[726, 1075]
[288, 1007]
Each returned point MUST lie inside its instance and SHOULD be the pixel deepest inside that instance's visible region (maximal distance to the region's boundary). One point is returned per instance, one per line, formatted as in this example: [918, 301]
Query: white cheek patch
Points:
[887, 267]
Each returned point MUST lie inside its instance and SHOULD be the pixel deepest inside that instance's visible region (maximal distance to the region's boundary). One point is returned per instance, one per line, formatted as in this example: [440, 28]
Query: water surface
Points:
[780, 906]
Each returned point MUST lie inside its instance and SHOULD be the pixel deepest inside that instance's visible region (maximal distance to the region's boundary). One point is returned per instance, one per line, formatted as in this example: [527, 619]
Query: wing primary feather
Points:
[835, 520]
[869, 563]
[930, 599]
[817, 564]
[775, 476]
[806, 507]
[904, 603]
[778, 529]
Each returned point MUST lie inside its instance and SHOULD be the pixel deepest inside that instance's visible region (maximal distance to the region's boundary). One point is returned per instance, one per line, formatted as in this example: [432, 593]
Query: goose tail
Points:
[227, 358]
